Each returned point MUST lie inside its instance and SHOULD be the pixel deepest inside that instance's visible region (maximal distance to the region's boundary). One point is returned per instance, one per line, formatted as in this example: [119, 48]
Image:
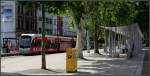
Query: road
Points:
[16, 64]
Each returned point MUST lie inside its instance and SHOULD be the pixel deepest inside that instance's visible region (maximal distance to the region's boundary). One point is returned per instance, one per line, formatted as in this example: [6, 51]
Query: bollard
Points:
[71, 60]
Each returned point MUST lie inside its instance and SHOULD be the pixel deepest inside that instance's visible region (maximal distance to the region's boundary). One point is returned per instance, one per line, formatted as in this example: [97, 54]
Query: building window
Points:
[54, 21]
[48, 31]
[40, 18]
[47, 20]
[40, 30]
[51, 21]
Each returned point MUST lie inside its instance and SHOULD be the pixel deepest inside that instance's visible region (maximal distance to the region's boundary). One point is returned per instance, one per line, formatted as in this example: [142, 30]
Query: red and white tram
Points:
[31, 43]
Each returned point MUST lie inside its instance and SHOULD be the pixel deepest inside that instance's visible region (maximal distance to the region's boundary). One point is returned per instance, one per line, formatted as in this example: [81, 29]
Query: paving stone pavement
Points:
[93, 65]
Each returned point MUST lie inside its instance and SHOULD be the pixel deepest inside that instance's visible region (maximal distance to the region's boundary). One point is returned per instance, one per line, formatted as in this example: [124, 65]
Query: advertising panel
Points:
[6, 12]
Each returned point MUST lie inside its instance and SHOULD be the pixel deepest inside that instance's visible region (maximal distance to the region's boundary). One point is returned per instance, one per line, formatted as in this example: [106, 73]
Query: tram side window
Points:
[56, 45]
[53, 45]
[39, 43]
[33, 43]
[36, 43]
[46, 44]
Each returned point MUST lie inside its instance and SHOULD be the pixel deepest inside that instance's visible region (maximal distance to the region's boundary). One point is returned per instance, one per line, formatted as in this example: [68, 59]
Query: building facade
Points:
[30, 21]
[8, 21]
[26, 20]
[17, 19]
[55, 25]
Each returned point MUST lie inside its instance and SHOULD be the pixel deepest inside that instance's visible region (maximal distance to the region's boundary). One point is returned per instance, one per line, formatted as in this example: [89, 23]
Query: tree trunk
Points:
[105, 41]
[110, 43]
[79, 44]
[88, 42]
[115, 54]
[149, 27]
[96, 40]
[80, 39]
[96, 45]
[43, 35]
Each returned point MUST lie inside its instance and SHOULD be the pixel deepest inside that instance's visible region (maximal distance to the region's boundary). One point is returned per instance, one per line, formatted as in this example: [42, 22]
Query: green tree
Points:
[76, 11]
[92, 13]
[142, 17]
[109, 13]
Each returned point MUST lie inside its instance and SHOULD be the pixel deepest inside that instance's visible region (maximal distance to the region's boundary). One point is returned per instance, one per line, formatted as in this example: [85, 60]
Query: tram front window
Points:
[25, 42]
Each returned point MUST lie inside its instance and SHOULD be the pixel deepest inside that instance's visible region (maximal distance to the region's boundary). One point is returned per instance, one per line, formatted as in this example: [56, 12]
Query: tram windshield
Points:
[25, 41]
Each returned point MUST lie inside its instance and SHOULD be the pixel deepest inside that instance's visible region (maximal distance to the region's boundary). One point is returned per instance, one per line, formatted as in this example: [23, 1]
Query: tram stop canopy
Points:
[133, 40]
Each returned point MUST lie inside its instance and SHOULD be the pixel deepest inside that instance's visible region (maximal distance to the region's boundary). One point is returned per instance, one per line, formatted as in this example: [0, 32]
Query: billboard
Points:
[6, 12]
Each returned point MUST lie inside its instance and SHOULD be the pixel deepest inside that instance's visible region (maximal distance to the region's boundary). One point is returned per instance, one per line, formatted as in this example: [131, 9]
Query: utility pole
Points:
[43, 36]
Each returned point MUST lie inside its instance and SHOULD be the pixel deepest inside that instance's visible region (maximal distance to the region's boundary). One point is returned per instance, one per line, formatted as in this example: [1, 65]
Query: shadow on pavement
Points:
[50, 72]
[85, 59]
[11, 74]
[38, 72]
[82, 73]
[110, 67]
[146, 63]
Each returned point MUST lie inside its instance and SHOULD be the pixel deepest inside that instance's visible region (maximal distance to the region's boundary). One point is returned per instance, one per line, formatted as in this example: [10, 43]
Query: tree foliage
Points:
[110, 13]
[95, 13]
[142, 17]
